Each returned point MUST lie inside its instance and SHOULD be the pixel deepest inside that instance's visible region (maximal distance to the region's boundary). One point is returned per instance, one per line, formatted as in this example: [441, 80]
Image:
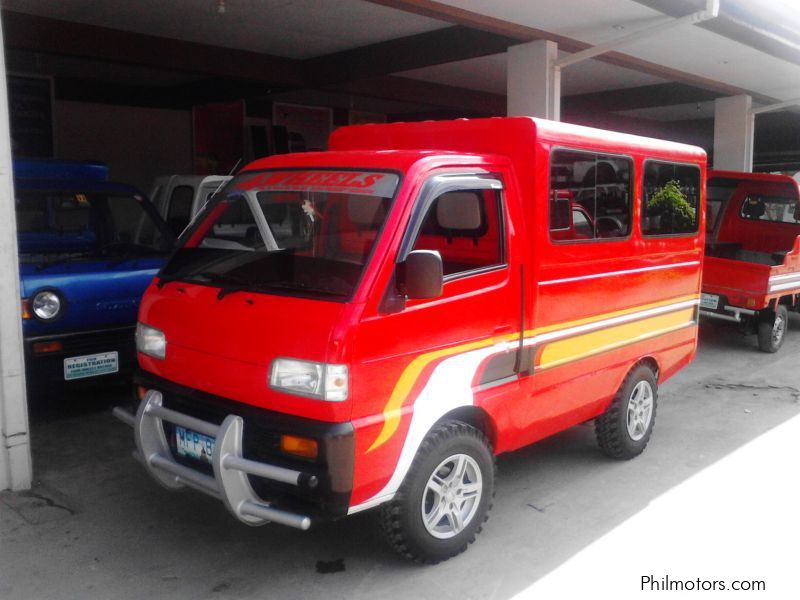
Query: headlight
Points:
[151, 341]
[46, 305]
[304, 378]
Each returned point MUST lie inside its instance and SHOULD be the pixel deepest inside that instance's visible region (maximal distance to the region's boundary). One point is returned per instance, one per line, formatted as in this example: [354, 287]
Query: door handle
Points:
[501, 337]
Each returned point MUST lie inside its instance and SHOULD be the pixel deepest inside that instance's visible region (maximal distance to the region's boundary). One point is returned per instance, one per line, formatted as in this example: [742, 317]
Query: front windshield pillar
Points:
[261, 222]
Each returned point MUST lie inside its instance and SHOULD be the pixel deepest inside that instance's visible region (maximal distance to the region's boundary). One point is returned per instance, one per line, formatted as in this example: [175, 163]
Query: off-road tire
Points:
[611, 427]
[401, 519]
[766, 329]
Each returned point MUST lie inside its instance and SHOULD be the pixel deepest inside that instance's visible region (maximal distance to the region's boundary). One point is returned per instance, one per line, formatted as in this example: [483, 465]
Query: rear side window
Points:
[464, 227]
[671, 198]
[776, 209]
[590, 195]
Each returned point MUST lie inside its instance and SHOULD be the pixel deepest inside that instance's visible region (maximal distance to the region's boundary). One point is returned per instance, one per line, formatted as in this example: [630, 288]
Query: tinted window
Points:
[306, 233]
[464, 227]
[777, 209]
[180, 208]
[595, 189]
[671, 198]
[718, 192]
[57, 224]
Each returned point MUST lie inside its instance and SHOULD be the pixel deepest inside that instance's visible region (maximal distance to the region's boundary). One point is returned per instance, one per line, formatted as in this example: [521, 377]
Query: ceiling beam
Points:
[763, 36]
[181, 96]
[40, 34]
[645, 96]
[414, 91]
[403, 54]
[523, 33]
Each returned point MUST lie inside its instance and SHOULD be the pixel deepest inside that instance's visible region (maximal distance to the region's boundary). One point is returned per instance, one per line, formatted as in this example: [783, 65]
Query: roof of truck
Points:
[358, 159]
[771, 177]
[510, 136]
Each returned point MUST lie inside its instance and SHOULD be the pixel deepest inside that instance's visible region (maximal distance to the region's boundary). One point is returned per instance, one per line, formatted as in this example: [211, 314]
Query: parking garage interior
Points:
[203, 87]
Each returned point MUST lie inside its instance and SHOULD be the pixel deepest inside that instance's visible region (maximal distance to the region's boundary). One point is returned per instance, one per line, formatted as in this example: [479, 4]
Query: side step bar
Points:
[229, 483]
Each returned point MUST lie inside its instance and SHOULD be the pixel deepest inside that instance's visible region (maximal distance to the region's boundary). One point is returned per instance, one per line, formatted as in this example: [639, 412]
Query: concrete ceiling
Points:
[449, 49]
[689, 49]
[488, 74]
[288, 28]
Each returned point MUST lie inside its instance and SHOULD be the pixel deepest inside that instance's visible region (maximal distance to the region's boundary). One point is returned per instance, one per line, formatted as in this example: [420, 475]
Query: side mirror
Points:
[421, 275]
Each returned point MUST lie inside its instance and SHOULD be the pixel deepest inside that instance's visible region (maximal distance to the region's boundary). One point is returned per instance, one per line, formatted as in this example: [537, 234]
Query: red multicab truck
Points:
[752, 265]
[369, 326]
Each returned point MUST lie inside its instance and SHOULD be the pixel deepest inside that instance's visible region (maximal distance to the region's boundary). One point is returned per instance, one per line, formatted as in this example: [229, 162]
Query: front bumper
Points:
[247, 471]
[49, 367]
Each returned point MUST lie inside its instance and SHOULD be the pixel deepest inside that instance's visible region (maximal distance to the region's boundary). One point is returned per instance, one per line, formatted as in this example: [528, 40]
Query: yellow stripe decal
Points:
[588, 344]
[391, 412]
[555, 353]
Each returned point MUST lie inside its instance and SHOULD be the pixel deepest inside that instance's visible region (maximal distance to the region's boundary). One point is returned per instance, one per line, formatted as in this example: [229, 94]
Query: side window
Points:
[180, 208]
[671, 198]
[465, 228]
[590, 195]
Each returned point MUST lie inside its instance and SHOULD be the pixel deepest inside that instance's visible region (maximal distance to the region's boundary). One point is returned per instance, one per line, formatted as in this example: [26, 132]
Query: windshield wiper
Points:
[140, 252]
[228, 284]
[296, 285]
[46, 264]
[51, 263]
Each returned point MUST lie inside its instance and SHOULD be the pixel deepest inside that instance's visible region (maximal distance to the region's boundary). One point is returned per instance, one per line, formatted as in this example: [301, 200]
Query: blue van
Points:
[88, 248]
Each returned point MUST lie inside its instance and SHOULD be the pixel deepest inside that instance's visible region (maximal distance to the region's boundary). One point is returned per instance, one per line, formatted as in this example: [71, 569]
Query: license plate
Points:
[91, 365]
[709, 301]
[194, 445]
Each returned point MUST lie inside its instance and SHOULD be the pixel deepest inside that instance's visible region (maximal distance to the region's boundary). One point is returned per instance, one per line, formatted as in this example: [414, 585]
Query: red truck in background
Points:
[752, 264]
[369, 326]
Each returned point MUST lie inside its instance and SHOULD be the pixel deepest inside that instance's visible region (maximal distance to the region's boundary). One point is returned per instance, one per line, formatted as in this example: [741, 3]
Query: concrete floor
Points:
[95, 526]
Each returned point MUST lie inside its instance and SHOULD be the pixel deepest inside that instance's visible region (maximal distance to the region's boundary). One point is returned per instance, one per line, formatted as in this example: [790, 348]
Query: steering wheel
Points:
[606, 227]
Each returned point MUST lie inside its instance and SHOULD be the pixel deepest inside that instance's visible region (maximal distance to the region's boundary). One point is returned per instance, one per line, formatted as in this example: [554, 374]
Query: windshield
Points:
[59, 226]
[307, 233]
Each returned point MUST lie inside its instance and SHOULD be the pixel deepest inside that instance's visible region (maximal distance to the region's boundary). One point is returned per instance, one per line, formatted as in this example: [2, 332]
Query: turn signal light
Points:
[751, 303]
[299, 446]
[26, 309]
[141, 392]
[46, 347]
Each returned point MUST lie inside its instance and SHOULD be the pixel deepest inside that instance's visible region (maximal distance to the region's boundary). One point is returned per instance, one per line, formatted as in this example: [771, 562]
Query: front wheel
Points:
[446, 496]
[772, 329]
[625, 428]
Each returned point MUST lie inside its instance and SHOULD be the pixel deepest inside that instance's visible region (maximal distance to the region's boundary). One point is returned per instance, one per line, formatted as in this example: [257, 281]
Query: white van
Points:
[179, 198]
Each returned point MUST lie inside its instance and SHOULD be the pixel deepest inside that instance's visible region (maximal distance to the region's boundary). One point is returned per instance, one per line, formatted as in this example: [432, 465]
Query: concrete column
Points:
[733, 133]
[533, 81]
[15, 455]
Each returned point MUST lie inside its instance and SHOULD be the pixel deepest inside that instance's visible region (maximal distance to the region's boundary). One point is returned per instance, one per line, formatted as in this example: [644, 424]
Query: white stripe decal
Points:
[651, 312]
[784, 277]
[623, 272]
[784, 286]
[450, 387]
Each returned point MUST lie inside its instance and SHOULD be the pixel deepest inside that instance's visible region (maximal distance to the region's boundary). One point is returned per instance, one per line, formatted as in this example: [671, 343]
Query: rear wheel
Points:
[446, 496]
[624, 430]
[772, 329]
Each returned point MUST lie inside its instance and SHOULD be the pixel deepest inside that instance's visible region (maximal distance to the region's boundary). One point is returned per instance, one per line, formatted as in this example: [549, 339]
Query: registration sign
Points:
[194, 445]
[91, 365]
[709, 301]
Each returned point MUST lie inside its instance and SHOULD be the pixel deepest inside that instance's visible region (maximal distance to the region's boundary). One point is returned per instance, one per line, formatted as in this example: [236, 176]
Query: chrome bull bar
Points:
[229, 483]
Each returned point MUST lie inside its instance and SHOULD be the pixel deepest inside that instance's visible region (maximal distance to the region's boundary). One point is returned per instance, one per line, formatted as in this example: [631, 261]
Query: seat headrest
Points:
[753, 208]
[363, 210]
[459, 210]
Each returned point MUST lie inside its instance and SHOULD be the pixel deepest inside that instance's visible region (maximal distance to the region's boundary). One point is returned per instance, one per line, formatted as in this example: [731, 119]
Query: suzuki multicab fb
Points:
[370, 325]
